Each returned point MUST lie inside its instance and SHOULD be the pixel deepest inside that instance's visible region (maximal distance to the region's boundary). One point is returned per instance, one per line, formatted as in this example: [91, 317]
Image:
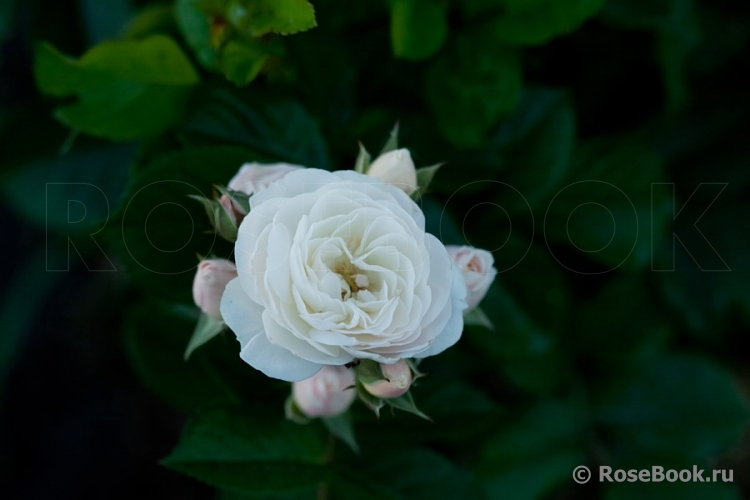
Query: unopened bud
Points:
[395, 168]
[398, 379]
[233, 210]
[476, 266]
[254, 177]
[327, 393]
[210, 281]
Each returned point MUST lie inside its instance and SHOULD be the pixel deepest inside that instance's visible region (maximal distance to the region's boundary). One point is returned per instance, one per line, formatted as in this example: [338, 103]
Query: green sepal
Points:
[219, 218]
[242, 199]
[208, 205]
[478, 317]
[415, 373]
[369, 372]
[392, 143]
[293, 413]
[363, 160]
[372, 402]
[206, 329]
[342, 427]
[405, 402]
[424, 178]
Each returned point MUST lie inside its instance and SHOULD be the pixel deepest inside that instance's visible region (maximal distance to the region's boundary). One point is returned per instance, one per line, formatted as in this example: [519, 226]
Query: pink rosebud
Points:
[476, 266]
[233, 209]
[254, 177]
[209, 283]
[398, 377]
[325, 394]
[395, 168]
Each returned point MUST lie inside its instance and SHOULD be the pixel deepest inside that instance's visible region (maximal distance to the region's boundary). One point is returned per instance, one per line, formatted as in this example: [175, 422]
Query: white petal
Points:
[310, 351]
[240, 313]
[276, 361]
[455, 325]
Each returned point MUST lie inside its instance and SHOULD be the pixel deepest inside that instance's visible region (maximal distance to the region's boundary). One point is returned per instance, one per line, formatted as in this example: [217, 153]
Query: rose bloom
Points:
[334, 267]
[254, 177]
[477, 269]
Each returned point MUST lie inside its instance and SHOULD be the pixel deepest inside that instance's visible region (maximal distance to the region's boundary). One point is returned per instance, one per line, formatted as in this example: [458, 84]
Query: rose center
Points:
[353, 277]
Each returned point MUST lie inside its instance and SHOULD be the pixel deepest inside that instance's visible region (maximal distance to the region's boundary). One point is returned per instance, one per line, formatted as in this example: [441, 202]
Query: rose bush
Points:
[335, 267]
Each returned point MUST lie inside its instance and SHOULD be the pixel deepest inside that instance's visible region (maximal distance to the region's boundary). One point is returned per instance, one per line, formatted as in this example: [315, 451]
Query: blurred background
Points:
[599, 149]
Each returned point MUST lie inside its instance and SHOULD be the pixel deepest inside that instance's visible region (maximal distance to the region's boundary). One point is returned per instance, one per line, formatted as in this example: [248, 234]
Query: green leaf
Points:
[630, 339]
[195, 27]
[538, 161]
[605, 208]
[158, 231]
[280, 129]
[418, 27]
[420, 474]
[520, 349]
[49, 192]
[258, 17]
[678, 32]
[154, 340]
[151, 20]
[472, 85]
[342, 427]
[460, 413]
[125, 89]
[539, 22]
[206, 329]
[242, 61]
[235, 450]
[530, 456]
[703, 300]
[534, 279]
[677, 406]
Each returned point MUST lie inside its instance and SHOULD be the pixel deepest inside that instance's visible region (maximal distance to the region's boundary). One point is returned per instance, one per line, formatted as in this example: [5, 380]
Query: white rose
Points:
[476, 266]
[396, 168]
[334, 267]
[327, 393]
[254, 177]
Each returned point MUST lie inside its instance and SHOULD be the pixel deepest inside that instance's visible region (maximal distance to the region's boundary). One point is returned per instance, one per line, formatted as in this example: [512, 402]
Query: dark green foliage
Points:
[573, 134]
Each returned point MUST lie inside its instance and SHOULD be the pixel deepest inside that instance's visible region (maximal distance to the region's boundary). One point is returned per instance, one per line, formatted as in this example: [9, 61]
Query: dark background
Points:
[588, 364]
